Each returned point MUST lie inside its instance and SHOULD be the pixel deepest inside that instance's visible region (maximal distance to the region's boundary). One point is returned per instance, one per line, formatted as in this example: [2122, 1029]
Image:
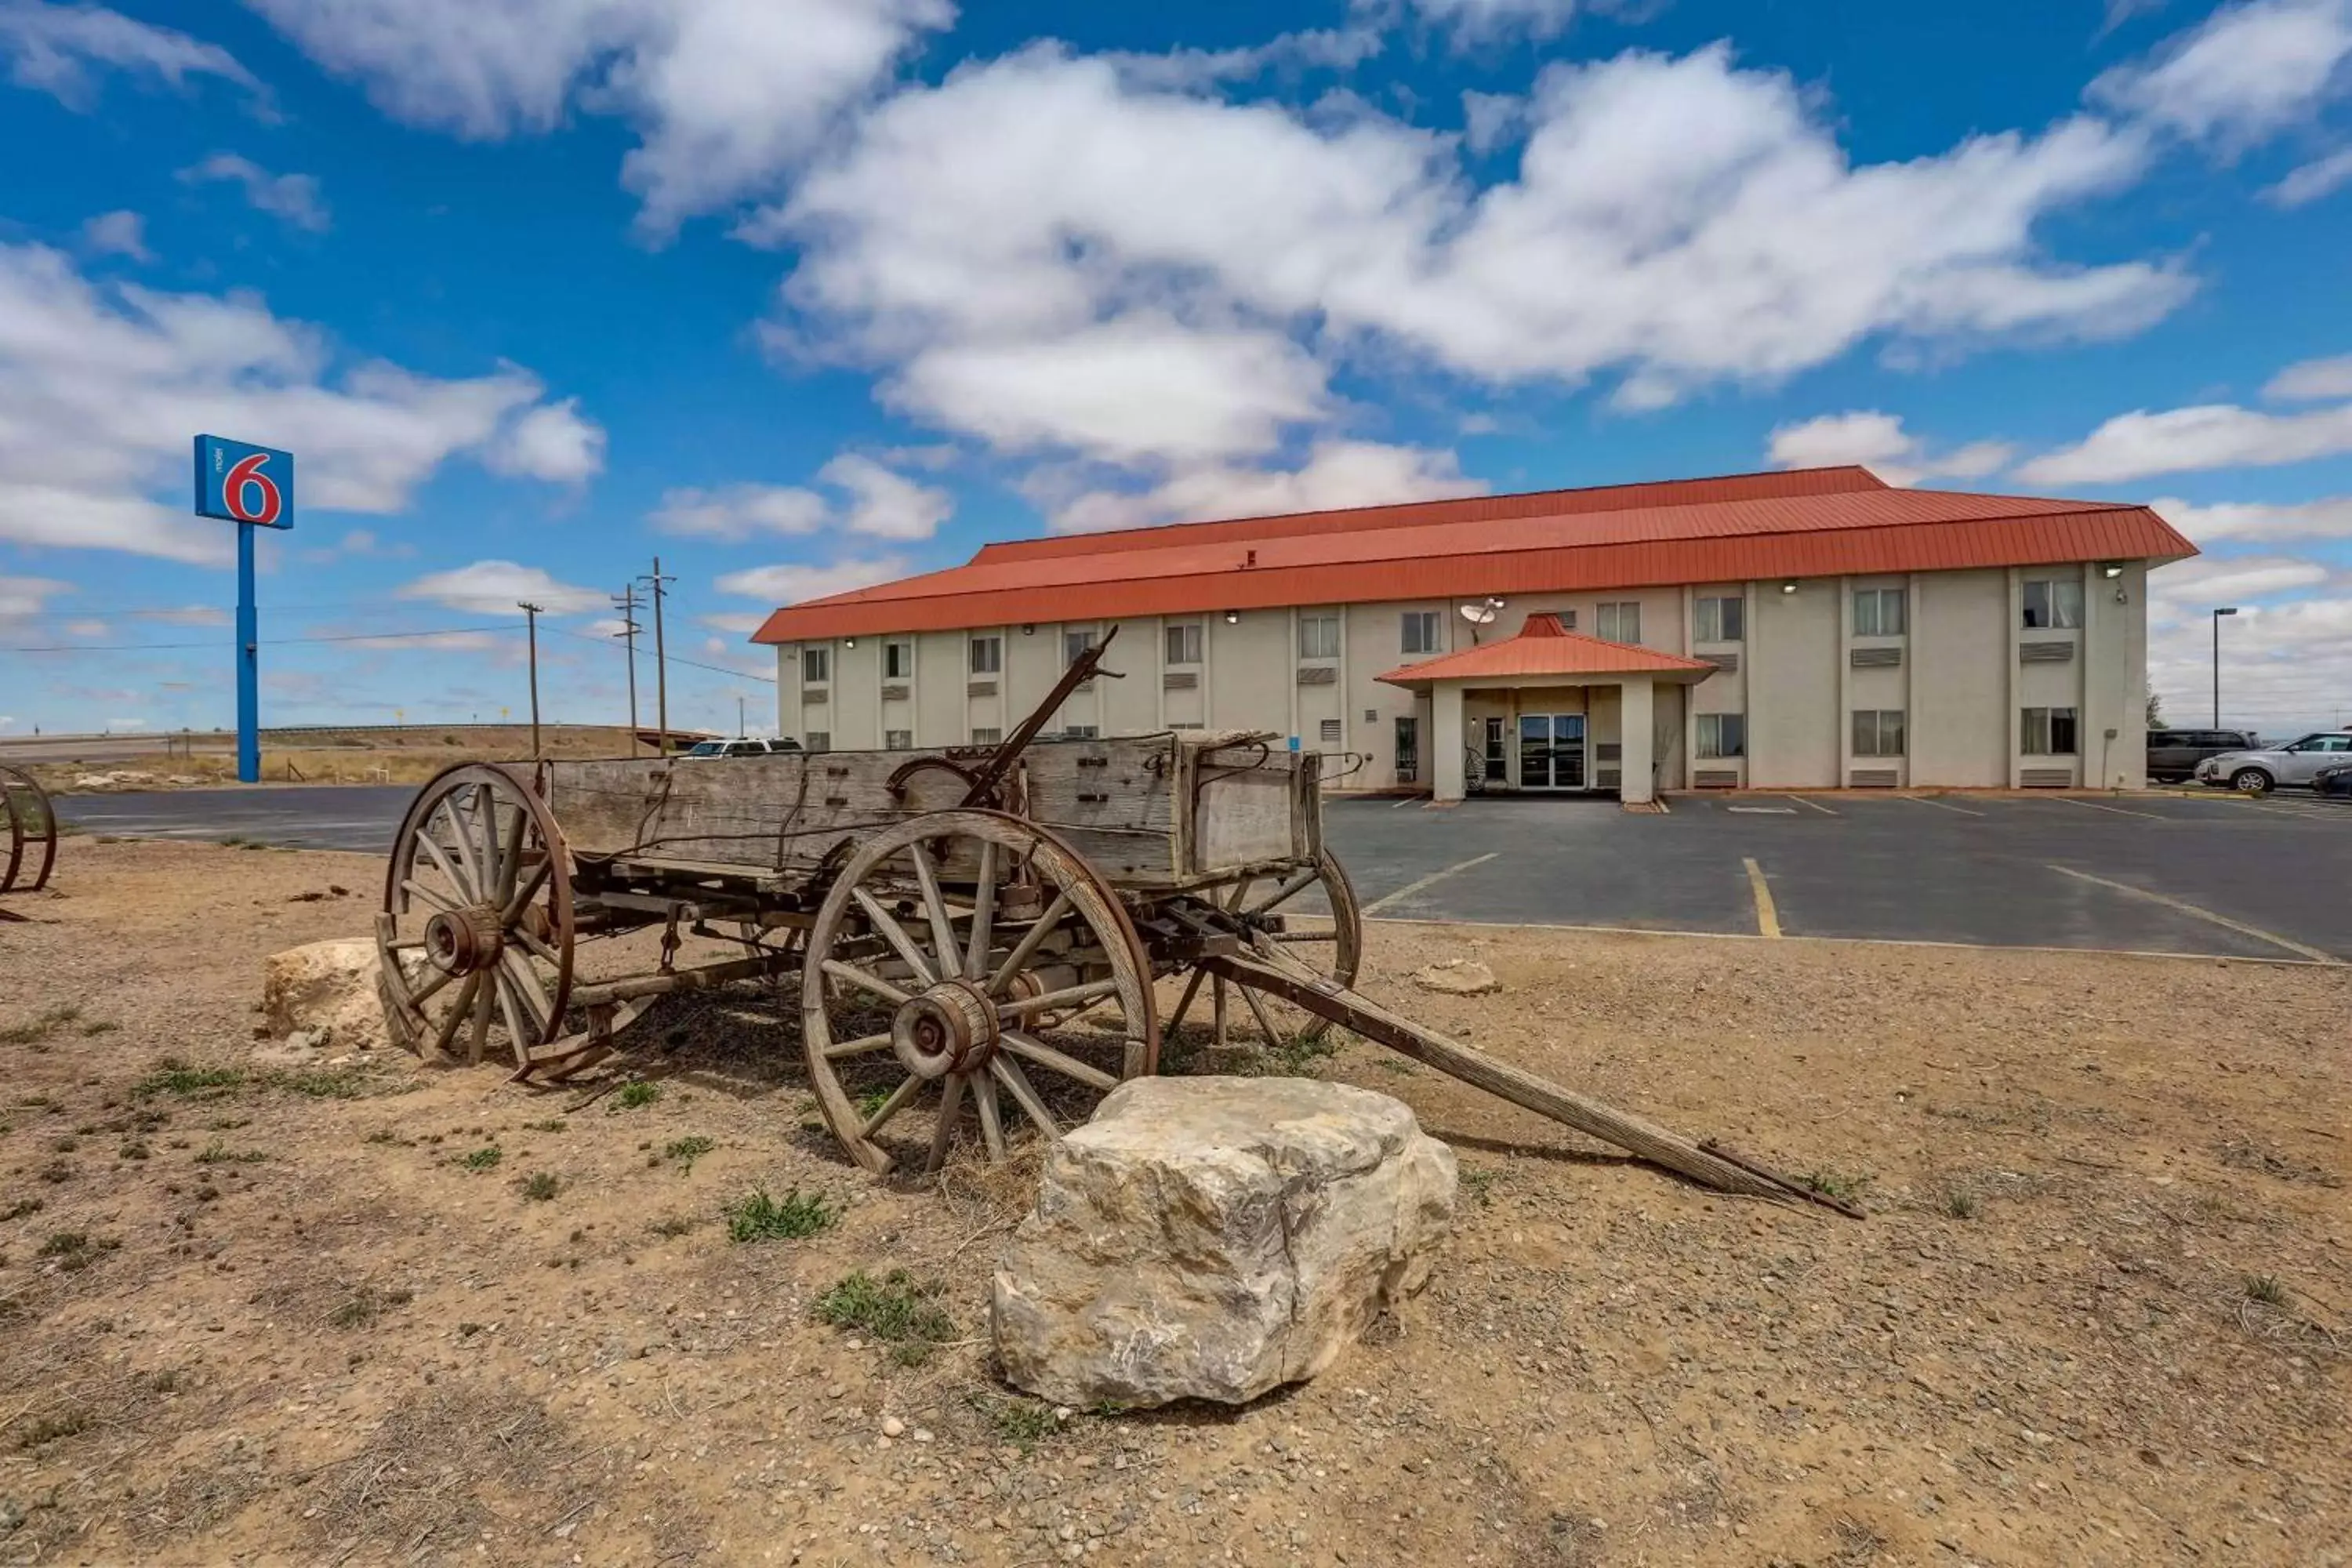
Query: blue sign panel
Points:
[236, 482]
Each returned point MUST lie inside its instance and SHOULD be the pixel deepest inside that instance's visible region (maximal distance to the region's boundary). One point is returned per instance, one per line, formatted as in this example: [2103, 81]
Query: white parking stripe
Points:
[1817, 805]
[2185, 908]
[2095, 806]
[1377, 905]
[1941, 805]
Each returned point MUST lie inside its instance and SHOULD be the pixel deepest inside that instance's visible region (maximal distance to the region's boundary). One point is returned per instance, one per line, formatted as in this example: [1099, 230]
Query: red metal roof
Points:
[1544, 646]
[1553, 542]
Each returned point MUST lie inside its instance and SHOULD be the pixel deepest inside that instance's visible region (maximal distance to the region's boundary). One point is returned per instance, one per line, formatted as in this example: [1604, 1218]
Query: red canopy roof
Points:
[1543, 647]
[1820, 522]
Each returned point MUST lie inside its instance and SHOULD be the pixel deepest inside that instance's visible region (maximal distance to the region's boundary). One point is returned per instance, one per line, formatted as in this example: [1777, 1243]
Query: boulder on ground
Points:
[1457, 977]
[1217, 1238]
[324, 991]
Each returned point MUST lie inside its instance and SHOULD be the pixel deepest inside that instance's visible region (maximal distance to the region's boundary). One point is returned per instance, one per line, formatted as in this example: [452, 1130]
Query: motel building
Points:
[1808, 630]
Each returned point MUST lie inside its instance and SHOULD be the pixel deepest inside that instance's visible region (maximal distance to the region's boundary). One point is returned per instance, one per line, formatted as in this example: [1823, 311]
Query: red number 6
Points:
[248, 471]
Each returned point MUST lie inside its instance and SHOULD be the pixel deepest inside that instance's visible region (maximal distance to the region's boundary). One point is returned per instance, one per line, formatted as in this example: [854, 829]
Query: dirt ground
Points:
[258, 1308]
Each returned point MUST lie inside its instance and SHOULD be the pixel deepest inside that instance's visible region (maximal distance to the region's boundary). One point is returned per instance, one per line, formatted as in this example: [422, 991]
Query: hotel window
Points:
[2052, 603]
[1620, 622]
[1878, 612]
[1720, 620]
[987, 655]
[2047, 731]
[817, 741]
[1184, 643]
[1318, 637]
[1723, 734]
[899, 740]
[1075, 646]
[816, 666]
[1878, 731]
[897, 661]
[1421, 631]
[987, 737]
[1081, 732]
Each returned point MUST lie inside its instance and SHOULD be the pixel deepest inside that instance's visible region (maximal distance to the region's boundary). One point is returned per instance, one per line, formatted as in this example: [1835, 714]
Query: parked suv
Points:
[741, 748]
[2175, 753]
[2261, 772]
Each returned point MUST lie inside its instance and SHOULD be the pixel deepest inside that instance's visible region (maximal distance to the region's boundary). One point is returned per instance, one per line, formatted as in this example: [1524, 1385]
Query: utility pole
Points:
[657, 583]
[530, 614]
[741, 732]
[626, 603]
[2218, 614]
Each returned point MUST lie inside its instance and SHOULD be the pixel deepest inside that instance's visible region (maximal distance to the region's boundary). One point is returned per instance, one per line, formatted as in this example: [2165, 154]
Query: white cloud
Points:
[742, 626]
[1138, 387]
[793, 583]
[2245, 73]
[293, 198]
[2286, 655]
[2122, 11]
[499, 588]
[2320, 177]
[52, 48]
[2328, 519]
[1040, 217]
[101, 386]
[21, 599]
[1486, 21]
[1328, 48]
[887, 505]
[2312, 380]
[1878, 442]
[1337, 474]
[2190, 586]
[1491, 118]
[118, 233]
[725, 94]
[2178, 440]
[737, 512]
[551, 442]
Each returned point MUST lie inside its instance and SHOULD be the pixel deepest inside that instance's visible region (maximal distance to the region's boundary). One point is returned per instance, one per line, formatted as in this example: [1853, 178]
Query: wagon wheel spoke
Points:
[523, 894]
[1027, 949]
[479, 1035]
[432, 848]
[858, 1047]
[517, 1039]
[943, 937]
[1024, 1095]
[943, 1134]
[537, 947]
[1044, 1054]
[851, 974]
[434, 982]
[446, 1030]
[984, 915]
[469, 872]
[1054, 1001]
[992, 1119]
[895, 934]
[891, 1106]
[1290, 888]
[431, 895]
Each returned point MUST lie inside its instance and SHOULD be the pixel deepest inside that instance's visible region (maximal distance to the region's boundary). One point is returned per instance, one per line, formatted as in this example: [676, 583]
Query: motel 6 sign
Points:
[237, 482]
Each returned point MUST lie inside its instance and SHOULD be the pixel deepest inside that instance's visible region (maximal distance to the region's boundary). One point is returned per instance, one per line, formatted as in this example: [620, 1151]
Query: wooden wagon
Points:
[980, 935]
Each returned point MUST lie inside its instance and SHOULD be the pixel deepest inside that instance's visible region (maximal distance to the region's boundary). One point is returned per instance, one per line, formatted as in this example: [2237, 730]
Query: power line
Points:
[266, 642]
[674, 658]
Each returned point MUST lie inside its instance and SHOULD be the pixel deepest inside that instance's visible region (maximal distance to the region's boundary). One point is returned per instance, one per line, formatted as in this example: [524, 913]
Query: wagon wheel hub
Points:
[950, 1027]
[464, 941]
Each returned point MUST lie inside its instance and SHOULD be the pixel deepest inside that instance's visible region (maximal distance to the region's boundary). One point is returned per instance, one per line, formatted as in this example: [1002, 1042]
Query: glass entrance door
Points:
[1551, 750]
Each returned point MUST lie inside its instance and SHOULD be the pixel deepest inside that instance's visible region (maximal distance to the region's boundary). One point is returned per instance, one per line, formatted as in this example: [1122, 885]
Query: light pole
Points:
[2217, 662]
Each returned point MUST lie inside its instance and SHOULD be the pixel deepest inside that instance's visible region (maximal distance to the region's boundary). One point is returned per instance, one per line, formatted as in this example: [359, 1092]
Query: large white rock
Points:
[1216, 1238]
[326, 991]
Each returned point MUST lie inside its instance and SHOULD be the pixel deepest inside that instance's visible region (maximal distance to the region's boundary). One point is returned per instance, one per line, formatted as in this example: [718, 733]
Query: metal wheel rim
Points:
[17, 786]
[1000, 1099]
[525, 1026]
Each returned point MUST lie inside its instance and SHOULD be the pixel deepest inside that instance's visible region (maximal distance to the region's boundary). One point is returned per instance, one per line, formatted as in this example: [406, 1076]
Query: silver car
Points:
[2258, 772]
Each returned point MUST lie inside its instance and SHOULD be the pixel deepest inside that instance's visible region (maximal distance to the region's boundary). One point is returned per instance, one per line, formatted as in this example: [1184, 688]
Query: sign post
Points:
[252, 487]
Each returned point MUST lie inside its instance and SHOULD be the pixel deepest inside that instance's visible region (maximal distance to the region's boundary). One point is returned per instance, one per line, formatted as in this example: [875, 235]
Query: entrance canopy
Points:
[1546, 653]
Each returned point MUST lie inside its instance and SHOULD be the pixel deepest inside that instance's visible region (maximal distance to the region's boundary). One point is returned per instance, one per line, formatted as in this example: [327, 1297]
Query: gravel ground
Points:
[263, 1308]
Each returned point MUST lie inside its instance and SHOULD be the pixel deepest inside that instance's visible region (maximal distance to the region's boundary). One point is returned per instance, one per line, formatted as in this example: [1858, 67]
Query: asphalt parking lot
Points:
[2160, 873]
[2177, 873]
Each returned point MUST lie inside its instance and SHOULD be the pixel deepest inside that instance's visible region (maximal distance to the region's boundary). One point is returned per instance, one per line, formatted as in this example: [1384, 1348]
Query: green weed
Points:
[2265, 1289]
[1835, 1184]
[173, 1077]
[1020, 1421]
[482, 1160]
[219, 1153]
[1480, 1184]
[687, 1150]
[367, 1305]
[539, 1186]
[636, 1094]
[1960, 1204]
[894, 1308]
[760, 1218]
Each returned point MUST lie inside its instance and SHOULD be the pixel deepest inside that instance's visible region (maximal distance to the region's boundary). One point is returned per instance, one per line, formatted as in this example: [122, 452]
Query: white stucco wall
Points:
[1793, 721]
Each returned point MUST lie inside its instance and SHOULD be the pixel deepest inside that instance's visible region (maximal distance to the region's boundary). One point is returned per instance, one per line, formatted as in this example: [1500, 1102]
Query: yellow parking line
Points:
[1410, 889]
[2095, 806]
[2185, 908]
[1768, 915]
[1943, 805]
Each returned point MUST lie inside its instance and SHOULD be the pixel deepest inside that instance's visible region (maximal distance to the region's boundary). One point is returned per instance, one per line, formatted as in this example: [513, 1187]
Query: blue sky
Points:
[801, 293]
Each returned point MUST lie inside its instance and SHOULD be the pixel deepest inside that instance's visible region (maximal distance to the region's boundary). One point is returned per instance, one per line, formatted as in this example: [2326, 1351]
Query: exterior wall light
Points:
[849, 642]
[1029, 630]
[2112, 569]
[1233, 618]
[1788, 587]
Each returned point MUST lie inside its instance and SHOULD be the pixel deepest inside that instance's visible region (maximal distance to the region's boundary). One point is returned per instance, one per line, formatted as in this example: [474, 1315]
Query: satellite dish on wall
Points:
[1478, 615]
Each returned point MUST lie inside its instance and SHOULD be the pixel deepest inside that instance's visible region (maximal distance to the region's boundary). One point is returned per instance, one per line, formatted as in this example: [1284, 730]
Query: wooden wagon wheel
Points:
[476, 927]
[1334, 950]
[32, 831]
[954, 952]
